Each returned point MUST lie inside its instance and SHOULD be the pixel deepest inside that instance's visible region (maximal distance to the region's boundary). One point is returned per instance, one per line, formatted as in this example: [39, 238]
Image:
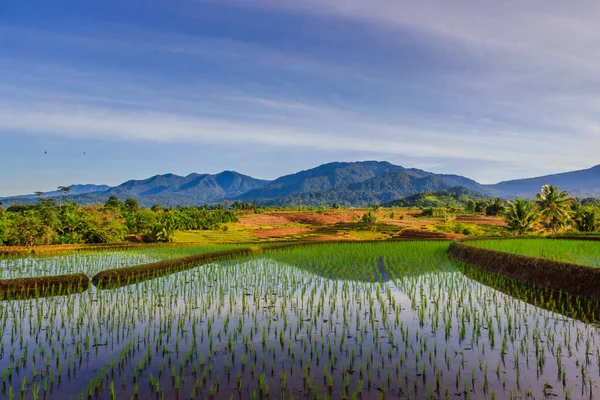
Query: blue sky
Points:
[489, 90]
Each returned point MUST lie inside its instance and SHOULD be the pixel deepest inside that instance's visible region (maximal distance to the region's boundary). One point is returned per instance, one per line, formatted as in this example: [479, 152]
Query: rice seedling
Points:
[374, 320]
[93, 262]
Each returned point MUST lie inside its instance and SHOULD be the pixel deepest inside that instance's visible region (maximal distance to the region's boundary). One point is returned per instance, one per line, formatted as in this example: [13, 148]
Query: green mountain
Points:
[174, 190]
[380, 189]
[457, 196]
[325, 182]
[349, 183]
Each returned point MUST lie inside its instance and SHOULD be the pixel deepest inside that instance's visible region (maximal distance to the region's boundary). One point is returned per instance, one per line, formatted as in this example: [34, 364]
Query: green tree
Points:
[27, 229]
[72, 225]
[495, 208]
[132, 204]
[470, 206]
[369, 218]
[555, 207]
[113, 203]
[586, 219]
[480, 206]
[50, 214]
[590, 201]
[64, 190]
[3, 228]
[521, 216]
[336, 206]
[141, 221]
[157, 208]
[163, 230]
[101, 226]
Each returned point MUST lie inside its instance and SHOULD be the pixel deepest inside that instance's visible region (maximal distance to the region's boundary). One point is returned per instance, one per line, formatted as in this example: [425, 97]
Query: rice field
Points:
[573, 251]
[90, 263]
[356, 321]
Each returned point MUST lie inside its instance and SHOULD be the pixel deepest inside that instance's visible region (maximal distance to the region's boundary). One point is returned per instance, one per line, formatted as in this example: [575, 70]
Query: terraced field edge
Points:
[43, 286]
[577, 280]
[118, 277]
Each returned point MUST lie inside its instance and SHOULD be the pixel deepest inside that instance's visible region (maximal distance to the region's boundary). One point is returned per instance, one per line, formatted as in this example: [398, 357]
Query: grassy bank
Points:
[578, 280]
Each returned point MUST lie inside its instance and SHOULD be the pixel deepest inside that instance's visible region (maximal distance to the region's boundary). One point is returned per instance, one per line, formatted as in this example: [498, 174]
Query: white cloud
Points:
[521, 87]
[532, 62]
[351, 135]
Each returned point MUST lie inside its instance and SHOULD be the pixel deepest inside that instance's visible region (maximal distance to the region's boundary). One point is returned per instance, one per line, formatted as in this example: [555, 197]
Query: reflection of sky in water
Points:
[89, 264]
[314, 326]
[92, 263]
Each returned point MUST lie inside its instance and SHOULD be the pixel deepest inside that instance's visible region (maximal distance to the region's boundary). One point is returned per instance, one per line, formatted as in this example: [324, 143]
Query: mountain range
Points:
[348, 183]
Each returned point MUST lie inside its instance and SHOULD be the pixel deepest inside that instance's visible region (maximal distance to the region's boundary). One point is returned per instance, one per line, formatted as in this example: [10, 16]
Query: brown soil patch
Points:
[278, 219]
[316, 219]
[409, 223]
[262, 220]
[278, 232]
[480, 220]
[137, 238]
[330, 218]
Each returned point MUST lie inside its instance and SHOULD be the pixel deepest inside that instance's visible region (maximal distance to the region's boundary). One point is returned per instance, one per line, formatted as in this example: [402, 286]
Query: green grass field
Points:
[573, 251]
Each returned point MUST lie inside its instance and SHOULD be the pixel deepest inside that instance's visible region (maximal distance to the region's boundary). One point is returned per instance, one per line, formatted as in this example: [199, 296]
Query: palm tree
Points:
[554, 206]
[586, 219]
[64, 190]
[521, 216]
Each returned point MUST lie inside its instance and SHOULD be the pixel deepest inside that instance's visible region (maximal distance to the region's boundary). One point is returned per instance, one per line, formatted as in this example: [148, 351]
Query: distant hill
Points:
[349, 183]
[324, 177]
[457, 196]
[321, 184]
[582, 183]
[203, 187]
[380, 189]
[73, 191]
[175, 190]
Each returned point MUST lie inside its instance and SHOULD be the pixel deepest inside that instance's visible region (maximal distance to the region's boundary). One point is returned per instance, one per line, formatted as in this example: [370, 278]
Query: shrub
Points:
[369, 218]
[27, 229]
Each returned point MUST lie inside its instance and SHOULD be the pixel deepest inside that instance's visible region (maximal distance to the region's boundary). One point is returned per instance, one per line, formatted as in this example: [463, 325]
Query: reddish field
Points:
[315, 226]
[480, 220]
[279, 232]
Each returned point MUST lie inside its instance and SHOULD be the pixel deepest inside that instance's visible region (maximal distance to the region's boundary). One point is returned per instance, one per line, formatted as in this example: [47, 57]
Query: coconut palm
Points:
[586, 219]
[555, 207]
[521, 216]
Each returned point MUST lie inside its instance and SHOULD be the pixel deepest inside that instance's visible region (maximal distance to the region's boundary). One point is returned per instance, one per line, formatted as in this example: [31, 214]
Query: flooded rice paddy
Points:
[362, 321]
[90, 263]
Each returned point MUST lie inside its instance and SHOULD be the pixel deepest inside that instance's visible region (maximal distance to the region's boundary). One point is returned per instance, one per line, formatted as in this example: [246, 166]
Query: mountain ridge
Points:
[350, 183]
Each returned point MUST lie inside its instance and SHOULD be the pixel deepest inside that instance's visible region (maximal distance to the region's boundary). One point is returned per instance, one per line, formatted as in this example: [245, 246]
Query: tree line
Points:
[66, 222]
[552, 211]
